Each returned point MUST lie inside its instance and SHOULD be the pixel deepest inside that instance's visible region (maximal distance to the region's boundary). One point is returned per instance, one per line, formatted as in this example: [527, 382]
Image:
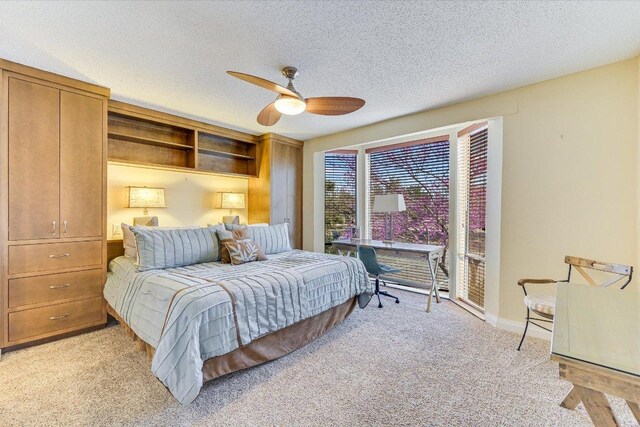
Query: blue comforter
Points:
[190, 314]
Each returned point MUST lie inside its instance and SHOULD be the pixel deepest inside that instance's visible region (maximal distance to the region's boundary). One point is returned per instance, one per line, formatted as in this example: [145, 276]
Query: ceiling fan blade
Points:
[333, 105]
[258, 81]
[269, 116]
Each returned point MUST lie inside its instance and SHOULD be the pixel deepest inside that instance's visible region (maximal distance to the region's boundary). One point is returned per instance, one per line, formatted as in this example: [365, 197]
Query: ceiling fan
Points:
[290, 102]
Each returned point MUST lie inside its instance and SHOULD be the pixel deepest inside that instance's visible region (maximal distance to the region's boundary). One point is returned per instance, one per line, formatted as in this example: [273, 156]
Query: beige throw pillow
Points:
[243, 251]
[227, 236]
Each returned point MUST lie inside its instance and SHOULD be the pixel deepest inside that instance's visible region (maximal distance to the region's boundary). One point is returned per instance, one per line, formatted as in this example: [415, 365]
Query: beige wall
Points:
[189, 196]
[569, 171]
[637, 265]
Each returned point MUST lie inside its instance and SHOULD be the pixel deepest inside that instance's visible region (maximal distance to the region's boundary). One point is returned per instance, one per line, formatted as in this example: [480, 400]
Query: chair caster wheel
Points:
[379, 305]
[397, 301]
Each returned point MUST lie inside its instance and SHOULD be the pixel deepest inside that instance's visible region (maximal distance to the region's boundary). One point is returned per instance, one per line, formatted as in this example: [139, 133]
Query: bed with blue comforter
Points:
[194, 313]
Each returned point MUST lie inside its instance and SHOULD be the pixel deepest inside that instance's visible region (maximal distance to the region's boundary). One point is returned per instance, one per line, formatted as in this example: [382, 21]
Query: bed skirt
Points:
[266, 348]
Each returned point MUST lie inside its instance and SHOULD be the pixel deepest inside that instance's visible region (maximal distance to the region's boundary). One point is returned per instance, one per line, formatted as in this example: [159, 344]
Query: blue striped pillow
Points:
[160, 248]
[273, 239]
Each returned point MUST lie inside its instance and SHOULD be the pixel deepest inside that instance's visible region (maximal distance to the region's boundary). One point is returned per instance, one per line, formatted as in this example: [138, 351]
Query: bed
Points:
[201, 321]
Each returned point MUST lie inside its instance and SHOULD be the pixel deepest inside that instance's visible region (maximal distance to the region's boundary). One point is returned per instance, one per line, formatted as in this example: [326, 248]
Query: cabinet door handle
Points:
[64, 225]
[53, 232]
[66, 285]
[59, 256]
[59, 317]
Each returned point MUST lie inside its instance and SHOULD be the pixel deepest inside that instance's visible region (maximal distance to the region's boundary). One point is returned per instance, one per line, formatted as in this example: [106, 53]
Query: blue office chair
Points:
[368, 257]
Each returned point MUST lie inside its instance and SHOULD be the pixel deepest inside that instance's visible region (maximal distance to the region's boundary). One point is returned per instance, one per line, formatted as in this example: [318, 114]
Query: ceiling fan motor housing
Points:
[290, 72]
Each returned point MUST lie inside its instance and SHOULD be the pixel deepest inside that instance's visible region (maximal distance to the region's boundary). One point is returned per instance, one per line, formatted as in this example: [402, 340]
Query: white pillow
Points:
[128, 241]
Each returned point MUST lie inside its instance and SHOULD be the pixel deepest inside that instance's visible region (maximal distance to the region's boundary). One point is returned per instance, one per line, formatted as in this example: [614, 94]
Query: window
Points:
[419, 170]
[339, 194]
[472, 208]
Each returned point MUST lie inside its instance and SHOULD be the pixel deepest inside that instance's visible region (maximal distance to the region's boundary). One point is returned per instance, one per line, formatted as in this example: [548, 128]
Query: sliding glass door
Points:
[472, 211]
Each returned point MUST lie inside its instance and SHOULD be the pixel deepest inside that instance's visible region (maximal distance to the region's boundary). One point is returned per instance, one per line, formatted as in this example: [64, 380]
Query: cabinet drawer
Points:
[54, 256]
[52, 287]
[47, 320]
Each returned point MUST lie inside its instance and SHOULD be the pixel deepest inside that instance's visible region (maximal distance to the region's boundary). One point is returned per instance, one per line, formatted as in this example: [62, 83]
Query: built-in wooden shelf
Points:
[148, 165]
[140, 136]
[149, 141]
[178, 169]
[225, 154]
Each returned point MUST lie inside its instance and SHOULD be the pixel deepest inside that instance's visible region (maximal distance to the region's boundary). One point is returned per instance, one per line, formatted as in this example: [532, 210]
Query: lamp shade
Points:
[145, 197]
[389, 203]
[232, 201]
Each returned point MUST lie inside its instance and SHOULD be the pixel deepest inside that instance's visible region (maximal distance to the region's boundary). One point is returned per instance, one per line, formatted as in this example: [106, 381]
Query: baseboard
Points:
[491, 319]
[518, 327]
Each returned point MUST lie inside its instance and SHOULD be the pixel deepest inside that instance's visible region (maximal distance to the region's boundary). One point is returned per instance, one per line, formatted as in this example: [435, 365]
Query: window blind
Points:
[472, 206]
[339, 194]
[418, 170]
[477, 191]
[461, 209]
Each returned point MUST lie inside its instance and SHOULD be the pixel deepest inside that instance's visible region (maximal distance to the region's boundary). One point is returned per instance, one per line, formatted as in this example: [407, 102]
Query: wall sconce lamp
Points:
[232, 201]
[145, 197]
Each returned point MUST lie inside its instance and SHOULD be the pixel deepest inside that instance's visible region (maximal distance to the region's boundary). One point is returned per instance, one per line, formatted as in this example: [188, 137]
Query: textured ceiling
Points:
[401, 57]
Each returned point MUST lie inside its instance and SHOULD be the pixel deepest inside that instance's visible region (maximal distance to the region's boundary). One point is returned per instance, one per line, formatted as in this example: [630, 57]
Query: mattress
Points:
[191, 314]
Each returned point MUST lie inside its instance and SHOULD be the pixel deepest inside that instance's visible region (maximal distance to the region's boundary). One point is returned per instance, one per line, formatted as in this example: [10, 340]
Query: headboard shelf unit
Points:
[223, 154]
[149, 141]
[141, 136]
[175, 169]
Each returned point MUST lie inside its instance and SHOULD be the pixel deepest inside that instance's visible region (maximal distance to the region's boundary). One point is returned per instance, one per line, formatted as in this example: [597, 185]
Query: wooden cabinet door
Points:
[294, 195]
[279, 166]
[33, 161]
[81, 165]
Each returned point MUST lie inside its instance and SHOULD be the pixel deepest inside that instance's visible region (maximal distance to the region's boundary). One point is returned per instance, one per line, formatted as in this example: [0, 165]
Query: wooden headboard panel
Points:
[114, 250]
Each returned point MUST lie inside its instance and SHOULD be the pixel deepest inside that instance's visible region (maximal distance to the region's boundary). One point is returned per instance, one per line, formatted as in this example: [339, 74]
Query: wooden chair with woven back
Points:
[543, 306]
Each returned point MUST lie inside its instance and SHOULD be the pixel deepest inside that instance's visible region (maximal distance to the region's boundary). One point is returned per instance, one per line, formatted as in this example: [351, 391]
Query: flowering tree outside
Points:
[421, 174]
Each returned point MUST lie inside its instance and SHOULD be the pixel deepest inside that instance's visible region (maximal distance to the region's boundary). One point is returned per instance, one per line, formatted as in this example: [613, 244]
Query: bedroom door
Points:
[34, 160]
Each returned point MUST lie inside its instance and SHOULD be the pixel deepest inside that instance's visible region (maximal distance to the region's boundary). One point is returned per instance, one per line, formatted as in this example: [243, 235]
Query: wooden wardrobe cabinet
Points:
[34, 162]
[275, 197]
[53, 204]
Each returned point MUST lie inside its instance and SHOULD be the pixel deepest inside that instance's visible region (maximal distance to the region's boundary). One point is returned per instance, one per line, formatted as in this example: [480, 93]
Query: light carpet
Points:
[393, 366]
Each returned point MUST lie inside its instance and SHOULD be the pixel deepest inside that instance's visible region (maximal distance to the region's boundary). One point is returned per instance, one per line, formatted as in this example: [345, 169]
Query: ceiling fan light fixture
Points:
[289, 105]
